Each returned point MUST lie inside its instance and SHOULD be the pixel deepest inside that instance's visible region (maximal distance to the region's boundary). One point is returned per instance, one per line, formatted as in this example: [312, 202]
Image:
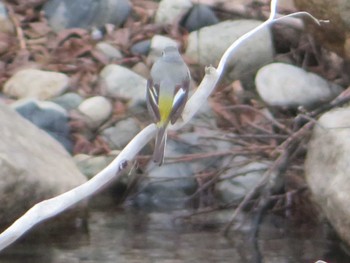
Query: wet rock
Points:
[34, 166]
[169, 10]
[141, 48]
[327, 168]
[68, 101]
[6, 26]
[47, 116]
[284, 85]
[168, 186]
[239, 180]
[171, 185]
[86, 14]
[123, 83]
[34, 83]
[109, 51]
[198, 17]
[121, 134]
[96, 110]
[207, 45]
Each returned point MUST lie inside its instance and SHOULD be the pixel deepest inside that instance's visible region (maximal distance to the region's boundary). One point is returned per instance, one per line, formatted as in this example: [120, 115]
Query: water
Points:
[135, 237]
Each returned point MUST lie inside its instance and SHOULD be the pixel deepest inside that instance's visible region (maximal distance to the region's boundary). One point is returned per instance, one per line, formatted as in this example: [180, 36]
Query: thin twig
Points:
[19, 30]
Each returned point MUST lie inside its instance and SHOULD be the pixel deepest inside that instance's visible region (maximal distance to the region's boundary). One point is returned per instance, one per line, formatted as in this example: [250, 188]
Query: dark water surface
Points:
[134, 237]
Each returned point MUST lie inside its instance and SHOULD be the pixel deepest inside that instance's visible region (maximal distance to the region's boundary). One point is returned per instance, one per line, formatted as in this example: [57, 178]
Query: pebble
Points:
[86, 14]
[121, 134]
[158, 44]
[96, 110]
[169, 10]
[285, 85]
[109, 51]
[199, 16]
[34, 83]
[141, 47]
[68, 101]
[243, 179]
[121, 82]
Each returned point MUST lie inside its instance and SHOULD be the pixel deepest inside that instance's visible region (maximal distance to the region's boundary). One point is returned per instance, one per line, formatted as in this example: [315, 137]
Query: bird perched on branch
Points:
[166, 96]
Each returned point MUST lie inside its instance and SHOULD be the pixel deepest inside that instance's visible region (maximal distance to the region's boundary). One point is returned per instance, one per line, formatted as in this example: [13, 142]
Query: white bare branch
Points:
[51, 207]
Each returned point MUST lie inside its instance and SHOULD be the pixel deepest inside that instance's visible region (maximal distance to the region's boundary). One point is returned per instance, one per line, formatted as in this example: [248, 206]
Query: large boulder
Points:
[327, 168]
[33, 166]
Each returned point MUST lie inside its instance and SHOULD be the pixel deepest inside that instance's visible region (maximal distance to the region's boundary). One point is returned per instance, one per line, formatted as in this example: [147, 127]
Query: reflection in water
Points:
[132, 237]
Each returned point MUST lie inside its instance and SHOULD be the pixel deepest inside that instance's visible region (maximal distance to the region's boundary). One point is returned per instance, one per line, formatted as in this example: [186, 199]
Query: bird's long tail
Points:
[158, 155]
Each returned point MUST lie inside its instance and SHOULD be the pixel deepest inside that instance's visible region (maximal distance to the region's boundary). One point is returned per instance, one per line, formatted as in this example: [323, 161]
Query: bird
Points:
[166, 95]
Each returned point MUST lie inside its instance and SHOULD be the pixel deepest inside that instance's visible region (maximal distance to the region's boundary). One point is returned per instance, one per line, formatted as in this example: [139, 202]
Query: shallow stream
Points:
[134, 237]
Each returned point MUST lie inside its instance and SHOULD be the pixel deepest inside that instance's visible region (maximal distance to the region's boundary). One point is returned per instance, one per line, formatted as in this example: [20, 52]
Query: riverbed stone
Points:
[35, 83]
[327, 168]
[68, 101]
[199, 16]
[109, 51]
[96, 110]
[207, 45]
[141, 47]
[123, 83]
[169, 10]
[86, 14]
[121, 133]
[285, 85]
[47, 116]
[34, 166]
[158, 44]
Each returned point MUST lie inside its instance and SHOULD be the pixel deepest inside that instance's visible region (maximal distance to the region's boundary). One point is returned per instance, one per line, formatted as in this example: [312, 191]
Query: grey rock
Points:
[207, 45]
[166, 187]
[327, 168]
[34, 83]
[121, 134]
[86, 14]
[171, 185]
[124, 83]
[68, 101]
[237, 181]
[34, 166]
[158, 44]
[284, 85]
[96, 110]
[199, 16]
[47, 116]
[92, 165]
[109, 51]
[169, 10]
[141, 48]
[141, 69]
